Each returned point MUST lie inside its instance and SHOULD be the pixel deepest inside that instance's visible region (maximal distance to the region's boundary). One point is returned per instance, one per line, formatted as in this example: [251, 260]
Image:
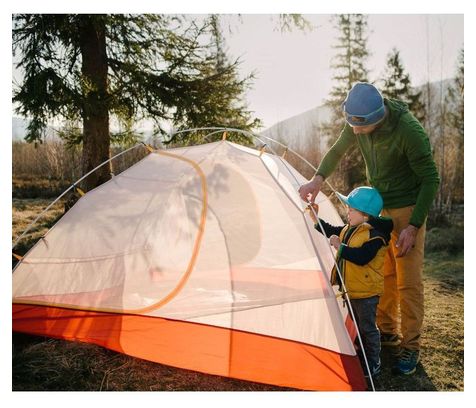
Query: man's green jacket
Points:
[398, 159]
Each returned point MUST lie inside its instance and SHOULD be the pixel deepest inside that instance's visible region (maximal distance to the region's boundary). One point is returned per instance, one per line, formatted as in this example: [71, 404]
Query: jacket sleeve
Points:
[420, 158]
[328, 228]
[362, 255]
[334, 154]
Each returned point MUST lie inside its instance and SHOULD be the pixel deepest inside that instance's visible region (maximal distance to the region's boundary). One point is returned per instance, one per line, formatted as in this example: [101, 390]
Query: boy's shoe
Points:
[375, 370]
[407, 362]
[389, 339]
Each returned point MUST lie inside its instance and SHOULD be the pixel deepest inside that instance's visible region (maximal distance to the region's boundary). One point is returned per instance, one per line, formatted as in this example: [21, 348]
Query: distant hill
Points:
[19, 126]
[294, 132]
[298, 131]
[19, 129]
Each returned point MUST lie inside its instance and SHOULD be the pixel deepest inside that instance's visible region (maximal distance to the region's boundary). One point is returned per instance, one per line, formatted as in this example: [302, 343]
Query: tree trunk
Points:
[95, 111]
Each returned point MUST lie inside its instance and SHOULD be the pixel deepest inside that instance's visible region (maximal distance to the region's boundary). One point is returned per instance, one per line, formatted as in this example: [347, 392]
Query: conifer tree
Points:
[349, 68]
[226, 106]
[396, 84]
[95, 69]
[456, 98]
[455, 125]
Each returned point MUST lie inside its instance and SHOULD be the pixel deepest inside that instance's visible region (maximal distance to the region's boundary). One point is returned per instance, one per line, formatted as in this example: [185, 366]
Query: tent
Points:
[200, 258]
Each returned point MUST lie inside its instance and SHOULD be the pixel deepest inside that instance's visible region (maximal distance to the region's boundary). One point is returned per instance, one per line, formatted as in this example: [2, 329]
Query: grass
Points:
[32, 187]
[43, 364]
[24, 212]
[442, 356]
[40, 363]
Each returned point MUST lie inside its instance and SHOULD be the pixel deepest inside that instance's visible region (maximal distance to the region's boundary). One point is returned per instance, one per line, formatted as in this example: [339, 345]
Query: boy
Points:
[361, 246]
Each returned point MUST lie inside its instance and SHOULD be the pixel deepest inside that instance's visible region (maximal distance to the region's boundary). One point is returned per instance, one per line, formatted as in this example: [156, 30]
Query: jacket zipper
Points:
[346, 241]
[374, 155]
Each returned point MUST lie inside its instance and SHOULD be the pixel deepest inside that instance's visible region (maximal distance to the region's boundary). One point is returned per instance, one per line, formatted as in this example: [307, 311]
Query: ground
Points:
[40, 363]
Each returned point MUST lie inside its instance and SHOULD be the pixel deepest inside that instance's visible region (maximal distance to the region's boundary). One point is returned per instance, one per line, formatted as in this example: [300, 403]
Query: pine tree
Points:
[397, 85]
[349, 66]
[349, 62]
[449, 148]
[455, 125]
[226, 106]
[95, 69]
[456, 98]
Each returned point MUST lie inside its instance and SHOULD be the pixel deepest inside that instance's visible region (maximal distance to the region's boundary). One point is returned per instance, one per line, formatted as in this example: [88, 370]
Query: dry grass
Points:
[442, 356]
[33, 187]
[50, 364]
[24, 211]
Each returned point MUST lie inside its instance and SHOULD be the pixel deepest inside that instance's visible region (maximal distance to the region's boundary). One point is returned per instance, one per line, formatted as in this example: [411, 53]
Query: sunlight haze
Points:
[293, 71]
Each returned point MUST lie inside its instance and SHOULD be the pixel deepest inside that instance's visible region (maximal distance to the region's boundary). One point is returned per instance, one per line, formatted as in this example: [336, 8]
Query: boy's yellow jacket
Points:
[366, 280]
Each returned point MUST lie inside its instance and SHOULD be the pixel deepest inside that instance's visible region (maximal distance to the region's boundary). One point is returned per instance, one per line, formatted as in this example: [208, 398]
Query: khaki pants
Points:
[403, 286]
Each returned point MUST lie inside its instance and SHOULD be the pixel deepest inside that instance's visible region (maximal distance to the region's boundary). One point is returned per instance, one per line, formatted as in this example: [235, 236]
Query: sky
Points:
[293, 71]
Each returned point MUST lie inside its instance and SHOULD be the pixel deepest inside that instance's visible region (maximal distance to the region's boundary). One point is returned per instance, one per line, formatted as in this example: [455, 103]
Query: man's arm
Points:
[421, 161]
[420, 158]
[332, 158]
[328, 164]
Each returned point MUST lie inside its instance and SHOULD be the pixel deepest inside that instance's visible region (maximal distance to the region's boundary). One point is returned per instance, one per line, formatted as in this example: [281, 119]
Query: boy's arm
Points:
[328, 228]
[363, 255]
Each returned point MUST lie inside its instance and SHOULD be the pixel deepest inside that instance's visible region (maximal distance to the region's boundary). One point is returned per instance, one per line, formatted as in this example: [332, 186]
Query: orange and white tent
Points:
[201, 258]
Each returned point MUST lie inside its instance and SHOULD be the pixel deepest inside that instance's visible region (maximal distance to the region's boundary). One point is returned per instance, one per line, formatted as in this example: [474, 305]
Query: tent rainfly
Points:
[200, 258]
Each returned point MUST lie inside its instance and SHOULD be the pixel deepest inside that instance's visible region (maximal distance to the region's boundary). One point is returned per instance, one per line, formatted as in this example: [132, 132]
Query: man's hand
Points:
[309, 191]
[406, 240]
[335, 241]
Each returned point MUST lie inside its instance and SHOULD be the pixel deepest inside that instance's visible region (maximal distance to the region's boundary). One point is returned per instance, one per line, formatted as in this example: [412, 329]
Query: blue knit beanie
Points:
[363, 105]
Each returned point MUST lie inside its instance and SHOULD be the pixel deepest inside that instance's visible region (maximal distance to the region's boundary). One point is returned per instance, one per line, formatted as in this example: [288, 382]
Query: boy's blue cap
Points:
[365, 199]
[364, 105]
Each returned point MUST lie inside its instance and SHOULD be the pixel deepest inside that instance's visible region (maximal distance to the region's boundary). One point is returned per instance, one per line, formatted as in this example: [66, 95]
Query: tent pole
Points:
[247, 133]
[344, 294]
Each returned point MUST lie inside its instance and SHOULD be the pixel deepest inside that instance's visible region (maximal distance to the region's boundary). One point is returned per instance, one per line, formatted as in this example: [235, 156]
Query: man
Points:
[400, 165]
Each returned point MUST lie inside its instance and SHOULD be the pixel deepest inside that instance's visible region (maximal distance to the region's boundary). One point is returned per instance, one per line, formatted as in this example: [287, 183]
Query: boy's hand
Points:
[335, 241]
[315, 207]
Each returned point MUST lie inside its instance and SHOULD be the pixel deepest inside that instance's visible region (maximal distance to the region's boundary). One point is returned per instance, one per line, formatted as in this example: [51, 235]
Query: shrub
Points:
[445, 239]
